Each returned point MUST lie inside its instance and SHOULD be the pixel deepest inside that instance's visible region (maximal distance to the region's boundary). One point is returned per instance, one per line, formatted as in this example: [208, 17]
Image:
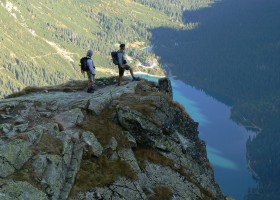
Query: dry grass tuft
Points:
[209, 166]
[104, 128]
[100, 172]
[144, 88]
[162, 193]
[145, 107]
[177, 105]
[49, 144]
[28, 174]
[149, 154]
[190, 178]
[153, 156]
[21, 136]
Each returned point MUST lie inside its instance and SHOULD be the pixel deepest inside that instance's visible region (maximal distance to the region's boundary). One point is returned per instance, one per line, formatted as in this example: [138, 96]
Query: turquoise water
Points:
[225, 140]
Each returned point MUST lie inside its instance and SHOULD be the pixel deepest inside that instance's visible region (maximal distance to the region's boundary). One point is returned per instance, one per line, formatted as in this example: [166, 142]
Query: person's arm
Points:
[120, 59]
[91, 66]
[124, 58]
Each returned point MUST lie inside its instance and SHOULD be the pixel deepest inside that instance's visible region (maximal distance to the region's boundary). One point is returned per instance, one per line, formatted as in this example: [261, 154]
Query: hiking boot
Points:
[90, 90]
[135, 79]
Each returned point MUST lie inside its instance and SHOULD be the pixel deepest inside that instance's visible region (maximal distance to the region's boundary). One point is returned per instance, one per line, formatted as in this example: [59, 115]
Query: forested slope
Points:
[41, 41]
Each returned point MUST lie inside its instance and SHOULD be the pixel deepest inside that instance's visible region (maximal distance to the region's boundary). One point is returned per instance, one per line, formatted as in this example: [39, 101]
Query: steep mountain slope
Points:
[239, 65]
[41, 41]
[129, 142]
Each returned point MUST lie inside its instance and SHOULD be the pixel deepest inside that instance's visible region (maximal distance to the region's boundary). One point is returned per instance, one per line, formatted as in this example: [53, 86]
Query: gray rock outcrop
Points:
[128, 142]
[91, 140]
[165, 86]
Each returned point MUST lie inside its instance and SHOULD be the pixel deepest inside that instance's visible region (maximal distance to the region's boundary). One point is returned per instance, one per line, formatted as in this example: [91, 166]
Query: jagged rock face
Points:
[128, 142]
[165, 86]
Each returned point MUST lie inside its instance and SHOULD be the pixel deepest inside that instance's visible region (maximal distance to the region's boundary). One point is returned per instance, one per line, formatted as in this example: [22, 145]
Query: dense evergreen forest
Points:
[41, 42]
[236, 59]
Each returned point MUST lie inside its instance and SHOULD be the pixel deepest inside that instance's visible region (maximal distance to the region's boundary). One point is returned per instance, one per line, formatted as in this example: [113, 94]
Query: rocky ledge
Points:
[128, 142]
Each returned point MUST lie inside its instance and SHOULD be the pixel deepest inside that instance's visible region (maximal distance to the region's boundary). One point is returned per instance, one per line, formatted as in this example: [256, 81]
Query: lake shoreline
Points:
[147, 74]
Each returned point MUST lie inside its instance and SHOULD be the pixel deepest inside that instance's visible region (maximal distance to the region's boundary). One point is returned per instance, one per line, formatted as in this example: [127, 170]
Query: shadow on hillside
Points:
[234, 45]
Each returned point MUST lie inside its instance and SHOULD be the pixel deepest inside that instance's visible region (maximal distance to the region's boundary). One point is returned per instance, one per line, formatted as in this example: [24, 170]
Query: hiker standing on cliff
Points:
[122, 64]
[90, 72]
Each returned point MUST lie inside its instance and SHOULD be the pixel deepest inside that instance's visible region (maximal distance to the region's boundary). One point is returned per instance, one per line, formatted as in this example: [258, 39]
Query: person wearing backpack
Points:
[87, 65]
[122, 64]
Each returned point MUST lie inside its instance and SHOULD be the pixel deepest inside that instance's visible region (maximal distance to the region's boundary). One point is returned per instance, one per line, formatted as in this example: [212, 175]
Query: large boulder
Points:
[119, 190]
[13, 155]
[128, 156]
[13, 190]
[50, 169]
[139, 125]
[70, 119]
[157, 175]
[130, 139]
[90, 139]
[103, 99]
[96, 105]
[165, 86]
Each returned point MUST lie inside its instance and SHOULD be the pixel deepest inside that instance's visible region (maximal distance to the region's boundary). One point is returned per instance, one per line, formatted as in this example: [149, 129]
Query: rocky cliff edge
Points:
[128, 142]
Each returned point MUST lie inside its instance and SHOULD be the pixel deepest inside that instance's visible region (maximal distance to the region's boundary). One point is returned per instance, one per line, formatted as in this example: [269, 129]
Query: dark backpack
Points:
[84, 65]
[114, 55]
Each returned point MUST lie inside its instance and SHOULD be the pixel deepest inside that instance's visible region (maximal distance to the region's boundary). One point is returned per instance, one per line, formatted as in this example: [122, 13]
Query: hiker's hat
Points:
[90, 52]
